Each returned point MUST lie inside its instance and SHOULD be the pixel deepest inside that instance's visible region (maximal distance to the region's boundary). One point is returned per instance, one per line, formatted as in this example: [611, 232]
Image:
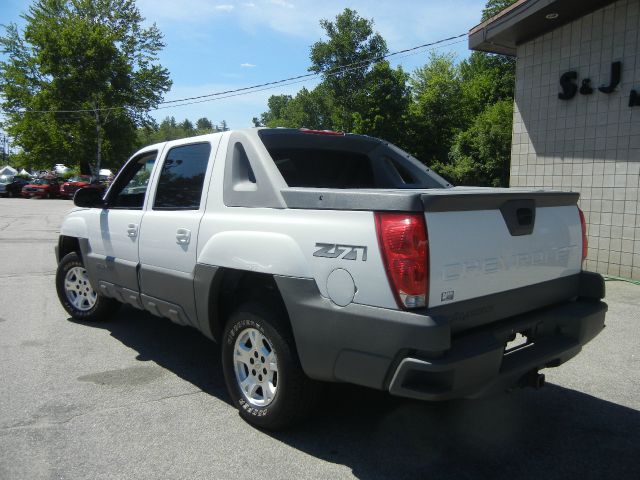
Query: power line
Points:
[268, 85]
[239, 93]
[332, 72]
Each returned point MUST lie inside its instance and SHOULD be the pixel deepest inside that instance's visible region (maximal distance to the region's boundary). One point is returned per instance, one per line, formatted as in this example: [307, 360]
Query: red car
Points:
[69, 188]
[41, 187]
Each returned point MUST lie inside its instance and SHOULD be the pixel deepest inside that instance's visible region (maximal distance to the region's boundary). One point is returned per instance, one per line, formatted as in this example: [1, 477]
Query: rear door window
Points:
[182, 177]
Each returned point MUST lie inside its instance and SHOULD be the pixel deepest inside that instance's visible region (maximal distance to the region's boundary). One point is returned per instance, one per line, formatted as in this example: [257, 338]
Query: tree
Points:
[437, 113]
[204, 124]
[344, 60]
[79, 79]
[383, 104]
[486, 79]
[481, 154]
[187, 128]
[454, 116]
[308, 109]
[359, 91]
[170, 129]
[276, 105]
[493, 7]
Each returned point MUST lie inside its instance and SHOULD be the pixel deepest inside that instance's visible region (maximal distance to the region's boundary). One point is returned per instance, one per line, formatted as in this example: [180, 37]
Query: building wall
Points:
[590, 143]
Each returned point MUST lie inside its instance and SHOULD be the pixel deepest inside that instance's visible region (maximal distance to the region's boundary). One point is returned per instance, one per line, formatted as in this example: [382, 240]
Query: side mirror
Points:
[89, 198]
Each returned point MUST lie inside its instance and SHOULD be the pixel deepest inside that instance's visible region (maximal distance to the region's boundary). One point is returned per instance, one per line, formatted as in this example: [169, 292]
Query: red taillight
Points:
[321, 132]
[405, 251]
[583, 224]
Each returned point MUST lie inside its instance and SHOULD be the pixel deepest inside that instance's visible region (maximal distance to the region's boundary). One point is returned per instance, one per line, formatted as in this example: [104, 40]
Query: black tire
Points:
[103, 307]
[295, 391]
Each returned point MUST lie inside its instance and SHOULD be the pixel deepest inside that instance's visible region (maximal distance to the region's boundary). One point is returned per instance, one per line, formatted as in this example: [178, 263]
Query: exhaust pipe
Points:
[538, 381]
[533, 379]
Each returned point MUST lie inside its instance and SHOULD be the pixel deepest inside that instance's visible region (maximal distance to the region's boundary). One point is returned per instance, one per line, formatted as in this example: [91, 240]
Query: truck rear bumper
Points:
[477, 363]
[417, 355]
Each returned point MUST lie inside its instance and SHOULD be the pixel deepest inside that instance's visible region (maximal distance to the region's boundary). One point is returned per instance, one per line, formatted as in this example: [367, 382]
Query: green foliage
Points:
[169, 129]
[481, 154]
[454, 116]
[308, 109]
[486, 79]
[493, 7]
[344, 60]
[437, 108]
[89, 55]
[383, 104]
[204, 124]
[368, 97]
[72, 172]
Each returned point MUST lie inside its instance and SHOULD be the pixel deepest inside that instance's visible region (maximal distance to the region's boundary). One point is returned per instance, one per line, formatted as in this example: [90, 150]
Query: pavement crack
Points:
[49, 424]
[30, 274]
[169, 397]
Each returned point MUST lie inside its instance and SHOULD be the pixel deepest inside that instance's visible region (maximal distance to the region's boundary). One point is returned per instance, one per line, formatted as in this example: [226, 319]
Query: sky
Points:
[220, 45]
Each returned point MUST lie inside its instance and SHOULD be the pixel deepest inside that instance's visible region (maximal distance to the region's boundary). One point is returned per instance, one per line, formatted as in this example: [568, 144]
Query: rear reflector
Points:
[585, 245]
[402, 238]
[321, 132]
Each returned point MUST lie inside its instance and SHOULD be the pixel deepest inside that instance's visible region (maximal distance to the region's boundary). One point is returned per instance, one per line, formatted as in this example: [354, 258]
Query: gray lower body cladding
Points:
[417, 355]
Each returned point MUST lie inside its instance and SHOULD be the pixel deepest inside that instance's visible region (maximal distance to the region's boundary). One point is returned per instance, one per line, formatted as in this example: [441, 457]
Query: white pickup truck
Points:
[319, 256]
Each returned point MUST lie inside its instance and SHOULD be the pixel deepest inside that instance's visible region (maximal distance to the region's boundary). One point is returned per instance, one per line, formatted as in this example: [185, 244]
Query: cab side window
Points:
[182, 177]
[131, 186]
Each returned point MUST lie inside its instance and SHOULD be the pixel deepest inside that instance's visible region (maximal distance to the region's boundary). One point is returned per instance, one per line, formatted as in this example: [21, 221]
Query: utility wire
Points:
[268, 85]
[332, 72]
[236, 93]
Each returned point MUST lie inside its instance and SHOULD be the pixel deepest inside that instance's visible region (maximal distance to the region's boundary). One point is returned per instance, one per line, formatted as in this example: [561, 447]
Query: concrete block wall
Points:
[590, 143]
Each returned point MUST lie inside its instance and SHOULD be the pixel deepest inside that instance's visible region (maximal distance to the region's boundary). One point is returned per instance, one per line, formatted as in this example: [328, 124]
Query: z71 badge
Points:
[345, 252]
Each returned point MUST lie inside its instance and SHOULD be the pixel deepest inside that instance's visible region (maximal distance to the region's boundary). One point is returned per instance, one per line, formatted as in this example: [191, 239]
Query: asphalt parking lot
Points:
[139, 397]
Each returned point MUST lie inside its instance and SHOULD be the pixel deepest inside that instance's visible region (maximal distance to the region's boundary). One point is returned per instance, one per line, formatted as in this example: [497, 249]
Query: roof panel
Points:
[526, 20]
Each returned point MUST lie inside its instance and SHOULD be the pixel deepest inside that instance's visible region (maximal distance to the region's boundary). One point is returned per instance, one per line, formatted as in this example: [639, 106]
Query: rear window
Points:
[344, 162]
[324, 168]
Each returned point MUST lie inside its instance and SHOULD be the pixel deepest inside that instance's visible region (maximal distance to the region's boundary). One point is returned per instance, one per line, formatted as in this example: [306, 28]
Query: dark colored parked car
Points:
[11, 186]
[41, 187]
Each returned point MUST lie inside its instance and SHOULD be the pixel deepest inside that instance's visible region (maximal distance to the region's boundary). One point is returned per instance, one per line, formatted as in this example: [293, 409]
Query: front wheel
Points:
[77, 295]
[261, 368]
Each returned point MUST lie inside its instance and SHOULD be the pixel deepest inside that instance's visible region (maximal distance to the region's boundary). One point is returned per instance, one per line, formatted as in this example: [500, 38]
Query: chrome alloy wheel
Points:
[78, 289]
[256, 367]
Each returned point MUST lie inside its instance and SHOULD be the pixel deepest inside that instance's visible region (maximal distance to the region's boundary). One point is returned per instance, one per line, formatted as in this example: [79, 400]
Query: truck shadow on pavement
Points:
[181, 350]
[552, 433]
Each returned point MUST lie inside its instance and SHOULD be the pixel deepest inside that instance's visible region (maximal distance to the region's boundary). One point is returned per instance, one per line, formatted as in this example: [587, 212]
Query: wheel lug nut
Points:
[251, 360]
[264, 370]
[262, 359]
[255, 354]
[260, 377]
[253, 372]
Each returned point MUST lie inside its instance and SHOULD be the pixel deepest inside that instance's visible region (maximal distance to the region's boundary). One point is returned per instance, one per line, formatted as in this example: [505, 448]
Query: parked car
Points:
[11, 186]
[69, 188]
[42, 187]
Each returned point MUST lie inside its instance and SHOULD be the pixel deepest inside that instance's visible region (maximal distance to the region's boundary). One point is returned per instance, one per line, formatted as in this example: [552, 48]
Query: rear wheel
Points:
[261, 368]
[77, 295]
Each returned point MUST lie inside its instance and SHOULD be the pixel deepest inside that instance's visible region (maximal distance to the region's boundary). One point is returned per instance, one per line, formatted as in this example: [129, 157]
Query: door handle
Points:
[183, 236]
[132, 230]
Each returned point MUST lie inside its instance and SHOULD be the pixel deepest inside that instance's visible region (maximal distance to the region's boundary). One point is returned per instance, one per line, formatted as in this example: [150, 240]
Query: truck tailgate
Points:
[485, 242]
